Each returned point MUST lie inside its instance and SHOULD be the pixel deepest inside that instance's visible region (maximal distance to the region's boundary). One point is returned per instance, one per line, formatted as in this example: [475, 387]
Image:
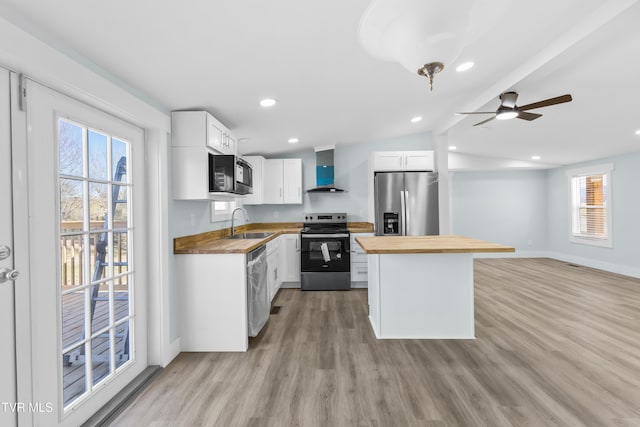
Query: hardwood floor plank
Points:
[557, 345]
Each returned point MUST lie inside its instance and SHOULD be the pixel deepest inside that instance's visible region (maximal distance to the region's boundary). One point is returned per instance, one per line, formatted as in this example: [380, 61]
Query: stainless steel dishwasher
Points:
[258, 305]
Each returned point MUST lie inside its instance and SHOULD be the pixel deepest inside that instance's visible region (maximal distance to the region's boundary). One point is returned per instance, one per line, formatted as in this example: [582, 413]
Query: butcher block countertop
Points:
[427, 245]
[215, 242]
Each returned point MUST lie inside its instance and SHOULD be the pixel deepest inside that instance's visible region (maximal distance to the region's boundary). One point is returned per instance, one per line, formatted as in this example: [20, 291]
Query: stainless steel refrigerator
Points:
[406, 203]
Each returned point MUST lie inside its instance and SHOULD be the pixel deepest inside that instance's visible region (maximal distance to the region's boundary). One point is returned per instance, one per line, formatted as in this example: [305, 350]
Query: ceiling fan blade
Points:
[546, 102]
[528, 116]
[479, 112]
[508, 99]
[485, 121]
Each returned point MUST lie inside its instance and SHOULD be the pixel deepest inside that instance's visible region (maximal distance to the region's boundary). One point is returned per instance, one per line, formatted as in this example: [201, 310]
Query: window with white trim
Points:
[591, 214]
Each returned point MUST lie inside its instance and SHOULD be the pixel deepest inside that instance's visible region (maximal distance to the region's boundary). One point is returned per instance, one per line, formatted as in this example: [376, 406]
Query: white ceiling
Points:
[224, 56]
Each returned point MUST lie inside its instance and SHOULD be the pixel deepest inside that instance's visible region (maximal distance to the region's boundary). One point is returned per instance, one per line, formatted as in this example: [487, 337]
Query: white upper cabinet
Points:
[292, 181]
[201, 129]
[257, 166]
[403, 161]
[282, 181]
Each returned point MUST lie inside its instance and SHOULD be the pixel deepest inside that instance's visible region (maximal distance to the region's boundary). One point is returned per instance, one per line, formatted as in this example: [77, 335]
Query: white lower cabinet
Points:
[359, 266]
[212, 301]
[274, 279]
[290, 248]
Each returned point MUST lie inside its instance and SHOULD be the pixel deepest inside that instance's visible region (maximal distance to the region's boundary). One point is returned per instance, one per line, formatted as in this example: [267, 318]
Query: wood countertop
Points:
[427, 245]
[215, 242]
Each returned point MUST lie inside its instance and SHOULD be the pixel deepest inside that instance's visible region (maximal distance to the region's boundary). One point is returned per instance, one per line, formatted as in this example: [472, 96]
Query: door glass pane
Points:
[120, 252]
[71, 258]
[121, 212]
[121, 297]
[71, 204]
[119, 156]
[97, 155]
[101, 355]
[99, 307]
[73, 318]
[123, 343]
[70, 140]
[98, 199]
[74, 375]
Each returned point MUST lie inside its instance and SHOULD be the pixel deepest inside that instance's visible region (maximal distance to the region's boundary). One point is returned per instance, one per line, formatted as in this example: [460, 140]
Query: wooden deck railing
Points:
[72, 253]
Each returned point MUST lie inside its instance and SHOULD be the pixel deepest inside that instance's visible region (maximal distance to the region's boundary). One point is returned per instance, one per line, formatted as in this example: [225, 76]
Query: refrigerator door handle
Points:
[403, 212]
[407, 215]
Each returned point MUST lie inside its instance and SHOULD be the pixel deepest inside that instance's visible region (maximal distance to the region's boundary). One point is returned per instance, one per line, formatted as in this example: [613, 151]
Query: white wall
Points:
[351, 168]
[506, 207]
[624, 256]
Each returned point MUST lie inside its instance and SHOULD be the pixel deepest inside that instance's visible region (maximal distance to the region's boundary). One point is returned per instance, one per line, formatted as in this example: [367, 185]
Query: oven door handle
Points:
[323, 236]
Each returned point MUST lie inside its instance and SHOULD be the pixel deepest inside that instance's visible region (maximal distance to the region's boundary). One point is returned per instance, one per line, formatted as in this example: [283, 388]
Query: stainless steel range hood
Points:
[324, 171]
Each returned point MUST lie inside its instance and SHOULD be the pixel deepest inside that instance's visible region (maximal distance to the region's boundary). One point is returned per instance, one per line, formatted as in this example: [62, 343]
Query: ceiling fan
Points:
[509, 110]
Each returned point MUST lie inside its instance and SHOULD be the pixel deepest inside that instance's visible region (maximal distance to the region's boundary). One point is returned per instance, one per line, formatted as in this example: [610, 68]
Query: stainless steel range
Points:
[325, 263]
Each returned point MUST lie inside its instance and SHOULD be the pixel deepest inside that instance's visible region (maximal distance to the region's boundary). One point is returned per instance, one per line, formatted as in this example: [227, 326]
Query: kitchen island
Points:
[421, 287]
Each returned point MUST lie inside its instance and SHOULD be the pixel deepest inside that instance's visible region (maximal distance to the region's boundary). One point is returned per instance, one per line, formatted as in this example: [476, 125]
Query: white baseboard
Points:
[586, 262]
[594, 263]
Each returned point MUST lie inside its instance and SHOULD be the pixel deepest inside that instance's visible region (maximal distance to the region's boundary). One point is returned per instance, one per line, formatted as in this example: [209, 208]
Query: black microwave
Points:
[229, 174]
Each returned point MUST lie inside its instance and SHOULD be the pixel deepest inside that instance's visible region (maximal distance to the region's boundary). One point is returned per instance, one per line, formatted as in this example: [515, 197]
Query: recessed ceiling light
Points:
[416, 119]
[293, 140]
[465, 66]
[268, 102]
[535, 157]
[638, 132]
[453, 147]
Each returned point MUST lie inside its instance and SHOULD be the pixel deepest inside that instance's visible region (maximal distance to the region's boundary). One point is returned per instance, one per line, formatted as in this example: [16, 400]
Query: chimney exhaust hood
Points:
[324, 171]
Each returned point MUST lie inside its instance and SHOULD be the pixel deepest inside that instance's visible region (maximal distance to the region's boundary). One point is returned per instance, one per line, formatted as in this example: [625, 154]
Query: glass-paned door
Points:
[95, 280]
[87, 238]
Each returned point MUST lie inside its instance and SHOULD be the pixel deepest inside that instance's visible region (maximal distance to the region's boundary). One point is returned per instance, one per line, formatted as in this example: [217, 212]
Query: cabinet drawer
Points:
[359, 272]
[358, 255]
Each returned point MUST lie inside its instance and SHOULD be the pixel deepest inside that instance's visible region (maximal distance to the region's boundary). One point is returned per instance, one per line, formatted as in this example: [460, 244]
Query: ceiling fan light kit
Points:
[509, 110]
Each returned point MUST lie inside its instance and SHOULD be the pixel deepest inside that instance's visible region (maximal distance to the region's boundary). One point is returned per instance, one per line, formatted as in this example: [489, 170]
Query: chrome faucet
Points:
[233, 214]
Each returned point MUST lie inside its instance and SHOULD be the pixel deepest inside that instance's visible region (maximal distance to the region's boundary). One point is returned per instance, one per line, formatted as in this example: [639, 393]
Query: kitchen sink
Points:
[261, 235]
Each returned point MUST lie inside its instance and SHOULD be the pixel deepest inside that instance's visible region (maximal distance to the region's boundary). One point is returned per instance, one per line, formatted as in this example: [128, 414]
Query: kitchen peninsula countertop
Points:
[427, 245]
[215, 242]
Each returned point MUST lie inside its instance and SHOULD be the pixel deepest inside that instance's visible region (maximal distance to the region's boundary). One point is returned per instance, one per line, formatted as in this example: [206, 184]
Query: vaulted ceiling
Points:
[224, 56]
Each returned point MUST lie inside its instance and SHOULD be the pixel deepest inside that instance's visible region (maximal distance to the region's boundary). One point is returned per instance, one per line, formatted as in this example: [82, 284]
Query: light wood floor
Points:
[556, 345]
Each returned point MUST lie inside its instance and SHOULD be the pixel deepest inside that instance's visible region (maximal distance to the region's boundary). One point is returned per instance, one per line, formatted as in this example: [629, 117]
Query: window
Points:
[222, 210]
[590, 192]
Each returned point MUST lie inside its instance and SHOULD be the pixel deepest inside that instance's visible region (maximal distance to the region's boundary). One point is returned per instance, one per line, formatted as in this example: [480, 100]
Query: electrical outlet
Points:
[275, 214]
[530, 242]
[361, 213]
[192, 220]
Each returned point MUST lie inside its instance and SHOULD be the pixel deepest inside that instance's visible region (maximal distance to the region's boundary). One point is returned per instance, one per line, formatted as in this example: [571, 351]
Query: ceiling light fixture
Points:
[409, 32]
[535, 157]
[453, 147]
[637, 132]
[268, 102]
[465, 66]
[505, 113]
[416, 119]
[293, 140]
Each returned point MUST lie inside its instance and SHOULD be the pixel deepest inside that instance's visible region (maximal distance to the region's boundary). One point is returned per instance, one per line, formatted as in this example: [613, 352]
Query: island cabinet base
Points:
[212, 302]
[421, 296]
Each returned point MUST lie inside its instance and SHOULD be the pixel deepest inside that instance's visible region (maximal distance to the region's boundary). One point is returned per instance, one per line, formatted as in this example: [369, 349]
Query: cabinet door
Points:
[257, 166]
[388, 161]
[273, 191]
[229, 144]
[215, 134]
[291, 258]
[292, 181]
[418, 161]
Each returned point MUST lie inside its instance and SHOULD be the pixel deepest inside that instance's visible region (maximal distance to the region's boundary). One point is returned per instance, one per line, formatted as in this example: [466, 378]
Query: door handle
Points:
[5, 252]
[7, 274]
